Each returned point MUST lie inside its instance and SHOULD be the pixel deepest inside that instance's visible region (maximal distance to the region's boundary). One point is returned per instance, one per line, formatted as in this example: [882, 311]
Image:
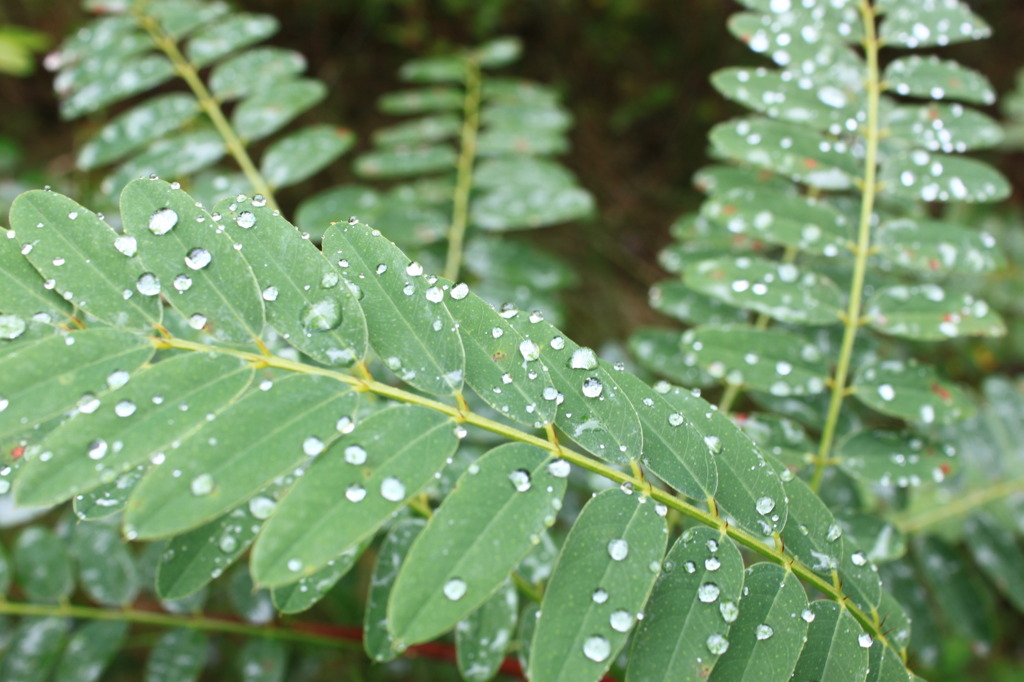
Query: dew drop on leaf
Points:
[312, 446]
[321, 316]
[88, 403]
[807, 615]
[520, 479]
[454, 589]
[197, 321]
[717, 644]
[245, 220]
[294, 565]
[529, 350]
[592, 387]
[460, 291]
[270, 294]
[261, 507]
[763, 631]
[355, 493]
[708, 592]
[620, 620]
[600, 596]
[148, 284]
[355, 454]
[764, 505]
[126, 244]
[583, 358]
[864, 640]
[97, 449]
[729, 610]
[712, 564]
[675, 419]
[117, 379]
[198, 258]
[202, 484]
[392, 489]
[182, 283]
[618, 549]
[125, 408]
[163, 221]
[596, 648]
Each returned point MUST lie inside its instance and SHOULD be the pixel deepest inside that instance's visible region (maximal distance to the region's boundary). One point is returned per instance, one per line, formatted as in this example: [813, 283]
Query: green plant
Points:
[217, 384]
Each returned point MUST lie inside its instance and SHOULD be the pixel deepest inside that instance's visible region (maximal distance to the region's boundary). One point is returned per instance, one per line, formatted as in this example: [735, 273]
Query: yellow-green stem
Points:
[169, 620]
[464, 171]
[209, 105]
[862, 249]
[831, 589]
[961, 505]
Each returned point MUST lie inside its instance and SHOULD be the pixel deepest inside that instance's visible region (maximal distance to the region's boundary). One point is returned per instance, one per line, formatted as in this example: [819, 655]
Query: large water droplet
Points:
[529, 350]
[596, 648]
[245, 220]
[355, 454]
[729, 610]
[583, 358]
[126, 244]
[864, 640]
[559, 468]
[717, 644]
[763, 631]
[321, 316]
[197, 321]
[163, 221]
[675, 419]
[97, 449]
[621, 621]
[392, 489]
[148, 284]
[261, 507]
[600, 596]
[88, 403]
[520, 479]
[198, 258]
[708, 592]
[764, 505]
[270, 294]
[355, 493]
[807, 615]
[125, 408]
[182, 283]
[618, 549]
[454, 589]
[117, 378]
[460, 291]
[312, 446]
[592, 387]
[202, 484]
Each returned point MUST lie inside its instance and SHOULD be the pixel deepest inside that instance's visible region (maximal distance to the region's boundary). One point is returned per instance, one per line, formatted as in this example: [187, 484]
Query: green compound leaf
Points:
[593, 409]
[808, 40]
[811, 533]
[44, 379]
[885, 542]
[483, 637]
[316, 213]
[109, 498]
[406, 161]
[658, 350]
[891, 458]
[673, 298]
[178, 19]
[133, 129]
[242, 450]
[410, 327]
[955, 589]
[292, 159]
[945, 128]
[933, 78]
[420, 131]
[808, 225]
[132, 424]
[115, 79]
[526, 118]
[780, 290]
[836, 648]
[106, 568]
[515, 207]
[673, 447]
[921, 175]
[859, 576]
[475, 539]
[749, 489]
[522, 171]
[421, 101]
[926, 312]
[919, 23]
[33, 649]
[770, 360]
[498, 52]
[442, 69]
[306, 299]
[351, 490]
[175, 156]
[788, 149]
[42, 565]
[191, 262]
[997, 554]
[233, 78]
[495, 369]
[601, 582]
[780, 96]
[307, 591]
[768, 635]
[83, 259]
[694, 603]
[178, 656]
[264, 112]
[90, 650]
[884, 665]
[496, 141]
[232, 33]
[23, 292]
[513, 263]
[377, 639]
[939, 247]
[912, 392]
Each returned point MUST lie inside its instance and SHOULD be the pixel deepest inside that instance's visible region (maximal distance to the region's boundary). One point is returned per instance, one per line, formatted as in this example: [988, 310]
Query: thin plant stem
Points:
[209, 105]
[961, 505]
[464, 170]
[861, 251]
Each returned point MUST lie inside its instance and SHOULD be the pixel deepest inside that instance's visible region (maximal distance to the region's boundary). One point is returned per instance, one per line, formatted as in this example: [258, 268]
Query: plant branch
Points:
[464, 170]
[209, 105]
[851, 321]
[832, 588]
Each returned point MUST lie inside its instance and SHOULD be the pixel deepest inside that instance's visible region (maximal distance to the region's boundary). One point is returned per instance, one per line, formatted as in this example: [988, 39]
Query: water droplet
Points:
[596, 648]
[355, 454]
[529, 350]
[197, 321]
[321, 316]
[764, 505]
[859, 559]
[228, 544]
[592, 387]
[454, 589]
[88, 403]
[294, 565]
[886, 392]
[763, 631]
[202, 484]
[198, 258]
[312, 446]
[163, 221]
[270, 294]
[520, 479]
[729, 610]
[125, 408]
[864, 640]
[392, 489]
[355, 493]
[583, 358]
[559, 468]
[557, 343]
[98, 449]
[148, 284]
[117, 379]
[414, 269]
[434, 294]
[717, 644]
[127, 245]
[460, 291]
[261, 507]
[807, 615]
[708, 592]
[675, 419]
[712, 564]
[621, 621]
[618, 549]
[182, 282]
[834, 533]
[714, 444]
[245, 220]
[599, 596]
